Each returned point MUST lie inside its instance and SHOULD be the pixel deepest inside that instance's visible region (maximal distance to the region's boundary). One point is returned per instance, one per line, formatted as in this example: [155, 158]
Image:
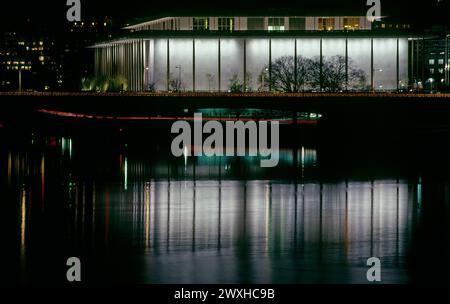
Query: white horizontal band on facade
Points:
[261, 23]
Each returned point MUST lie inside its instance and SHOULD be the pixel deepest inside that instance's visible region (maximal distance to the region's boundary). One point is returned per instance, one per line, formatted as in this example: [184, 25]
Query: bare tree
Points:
[331, 74]
[286, 75]
[334, 74]
[210, 78]
[357, 79]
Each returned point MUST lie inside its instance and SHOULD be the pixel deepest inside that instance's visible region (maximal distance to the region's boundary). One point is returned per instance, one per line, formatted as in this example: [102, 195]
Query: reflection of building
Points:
[338, 224]
[204, 54]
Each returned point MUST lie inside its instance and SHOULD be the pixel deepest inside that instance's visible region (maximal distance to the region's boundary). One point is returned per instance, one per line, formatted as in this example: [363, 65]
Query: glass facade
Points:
[209, 64]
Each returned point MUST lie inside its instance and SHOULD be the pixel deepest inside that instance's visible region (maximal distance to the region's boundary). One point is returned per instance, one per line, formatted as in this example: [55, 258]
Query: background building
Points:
[34, 58]
[436, 59]
[27, 61]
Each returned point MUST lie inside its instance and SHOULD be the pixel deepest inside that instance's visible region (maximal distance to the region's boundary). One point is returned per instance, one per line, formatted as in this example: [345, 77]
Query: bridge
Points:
[362, 108]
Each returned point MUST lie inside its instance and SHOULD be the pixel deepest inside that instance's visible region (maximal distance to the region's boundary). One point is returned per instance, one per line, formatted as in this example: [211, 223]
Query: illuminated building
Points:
[205, 53]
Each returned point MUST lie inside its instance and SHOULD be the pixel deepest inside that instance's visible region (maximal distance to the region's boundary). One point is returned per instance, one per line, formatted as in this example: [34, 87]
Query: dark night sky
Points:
[52, 12]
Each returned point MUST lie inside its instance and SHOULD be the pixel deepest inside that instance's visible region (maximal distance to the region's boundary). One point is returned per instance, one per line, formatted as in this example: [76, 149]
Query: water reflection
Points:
[208, 220]
[23, 226]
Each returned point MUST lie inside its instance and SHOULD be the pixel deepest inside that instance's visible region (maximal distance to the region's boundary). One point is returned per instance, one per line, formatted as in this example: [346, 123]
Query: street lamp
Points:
[447, 75]
[447, 61]
[210, 80]
[264, 78]
[20, 79]
[146, 78]
[20, 68]
[431, 80]
[373, 77]
[179, 77]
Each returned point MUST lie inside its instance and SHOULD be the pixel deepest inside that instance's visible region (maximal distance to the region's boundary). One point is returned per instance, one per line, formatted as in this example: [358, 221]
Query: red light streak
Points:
[165, 118]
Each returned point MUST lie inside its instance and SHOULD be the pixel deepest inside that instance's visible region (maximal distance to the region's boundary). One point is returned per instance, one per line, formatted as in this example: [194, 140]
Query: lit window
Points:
[351, 23]
[441, 71]
[431, 71]
[226, 24]
[431, 62]
[201, 24]
[441, 61]
[276, 24]
[326, 24]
